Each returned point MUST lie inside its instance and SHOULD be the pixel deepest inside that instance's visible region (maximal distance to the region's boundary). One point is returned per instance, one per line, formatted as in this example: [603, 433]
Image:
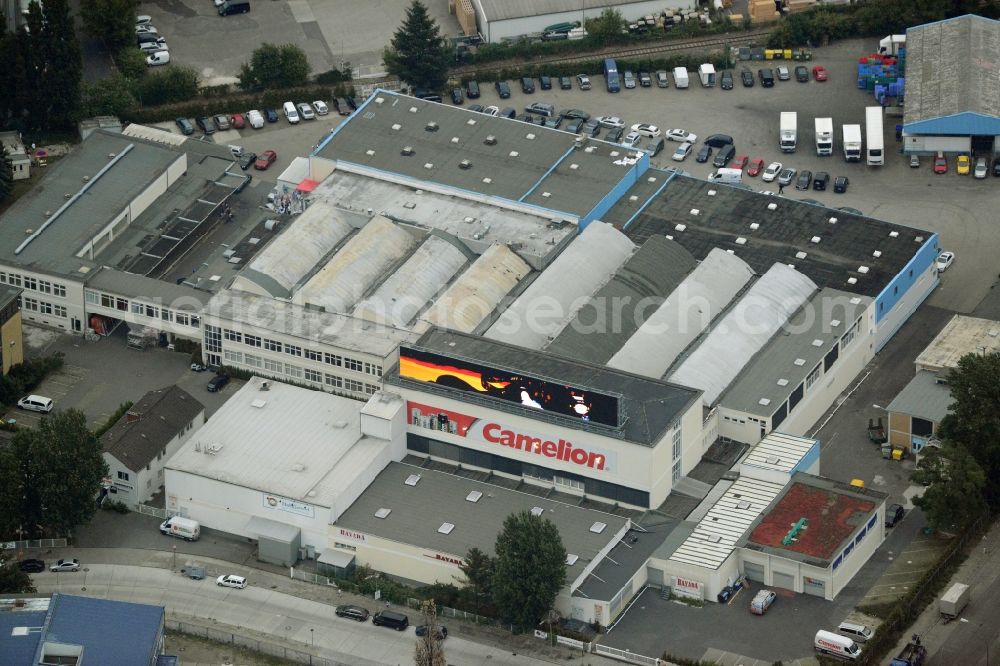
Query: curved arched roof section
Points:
[475, 294]
[744, 331]
[357, 266]
[296, 251]
[414, 284]
[687, 312]
[549, 302]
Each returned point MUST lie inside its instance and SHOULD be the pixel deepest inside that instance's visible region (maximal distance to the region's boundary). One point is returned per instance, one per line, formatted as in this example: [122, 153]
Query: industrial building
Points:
[500, 20]
[953, 109]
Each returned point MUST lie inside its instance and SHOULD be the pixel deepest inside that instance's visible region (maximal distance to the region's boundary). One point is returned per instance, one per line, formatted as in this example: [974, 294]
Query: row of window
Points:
[298, 373]
[347, 362]
[34, 305]
[34, 284]
[857, 540]
[152, 311]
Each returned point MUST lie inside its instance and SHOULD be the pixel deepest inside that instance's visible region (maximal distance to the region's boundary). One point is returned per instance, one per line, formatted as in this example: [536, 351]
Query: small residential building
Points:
[138, 446]
[20, 160]
[915, 414]
[11, 338]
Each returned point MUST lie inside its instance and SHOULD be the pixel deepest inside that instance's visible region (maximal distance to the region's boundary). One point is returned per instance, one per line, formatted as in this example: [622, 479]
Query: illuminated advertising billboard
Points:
[517, 388]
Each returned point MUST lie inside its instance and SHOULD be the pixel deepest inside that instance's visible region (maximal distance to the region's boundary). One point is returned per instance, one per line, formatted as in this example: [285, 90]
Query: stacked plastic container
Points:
[882, 74]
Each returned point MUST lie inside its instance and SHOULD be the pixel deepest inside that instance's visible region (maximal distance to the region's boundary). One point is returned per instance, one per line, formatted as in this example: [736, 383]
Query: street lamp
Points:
[311, 638]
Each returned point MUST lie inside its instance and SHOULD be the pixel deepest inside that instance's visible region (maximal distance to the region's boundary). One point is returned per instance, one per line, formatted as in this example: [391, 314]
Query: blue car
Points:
[271, 115]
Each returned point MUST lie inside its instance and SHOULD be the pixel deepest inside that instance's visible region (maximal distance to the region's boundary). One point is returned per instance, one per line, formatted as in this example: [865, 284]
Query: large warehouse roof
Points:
[499, 10]
[743, 331]
[828, 246]
[555, 295]
[687, 312]
[952, 85]
[620, 307]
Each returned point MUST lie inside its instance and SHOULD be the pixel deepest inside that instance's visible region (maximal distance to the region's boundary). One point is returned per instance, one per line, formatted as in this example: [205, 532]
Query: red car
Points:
[756, 166]
[265, 159]
[238, 121]
[940, 163]
[739, 162]
[819, 73]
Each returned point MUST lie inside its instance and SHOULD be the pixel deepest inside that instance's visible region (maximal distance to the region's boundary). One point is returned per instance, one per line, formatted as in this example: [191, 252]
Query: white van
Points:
[290, 113]
[35, 403]
[728, 176]
[827, 642]
[858, 632]
[183, 528]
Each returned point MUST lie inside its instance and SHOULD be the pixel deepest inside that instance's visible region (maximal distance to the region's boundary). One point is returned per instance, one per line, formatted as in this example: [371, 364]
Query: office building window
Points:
[333, 381]
[353, 364]
[353, 386]
[251, 340]
[333, 359]
[676, 443]
[213, 338]
[313, 375]
[272, 345]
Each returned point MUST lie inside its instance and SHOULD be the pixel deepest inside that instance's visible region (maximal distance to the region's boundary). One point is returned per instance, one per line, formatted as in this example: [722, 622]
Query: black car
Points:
[205, 124]
[440, 632]
[724, 156]
[352, 102]
[575, 114]
[553, 122]
[527, 85]
[503, 89]
[247, 159]
[352, 612]
[766, 75]
[508, 112]
[217, 382]
[802, 74]
[893, 514]
[840, 184]
[719, 140]
[456, 96]
[645, 80]
[820, 180]
[704, 154]
[565, 83]
[271, 115]
[575, 125]
[545, 82]
[996, 167]
[804, 180]
[726, 80]
[615, 135]
[591, 128]
[31, 566]
[472, 89]
[342, 105]
[747, 77]
[478, 108]
[185, 126]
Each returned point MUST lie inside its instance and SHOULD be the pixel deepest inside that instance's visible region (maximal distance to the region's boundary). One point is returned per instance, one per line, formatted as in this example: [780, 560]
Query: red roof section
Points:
[832, 517]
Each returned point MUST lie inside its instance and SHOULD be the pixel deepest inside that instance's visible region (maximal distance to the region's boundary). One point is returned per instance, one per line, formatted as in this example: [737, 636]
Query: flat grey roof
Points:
[627, 557]
[176, 296]
[499, 10]
[417, 511]
[520, 162]
[780, 234]
[923, 398]
[776, 370]
[648, 406]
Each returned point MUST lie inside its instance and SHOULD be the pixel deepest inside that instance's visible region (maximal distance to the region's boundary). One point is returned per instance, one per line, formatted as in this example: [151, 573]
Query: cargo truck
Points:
[852, 143]
[789, 128]
[680, 77]
[954, 600]
[183, 528]
[707, 75]
[824, 136]
[873, 126]
[912, 655]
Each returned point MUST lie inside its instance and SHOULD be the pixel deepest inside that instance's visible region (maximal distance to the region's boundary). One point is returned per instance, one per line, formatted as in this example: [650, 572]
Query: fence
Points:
[36, 543]
[308, 577]
[444, 611]
[625, 655]
[253, 644]
[153, 511]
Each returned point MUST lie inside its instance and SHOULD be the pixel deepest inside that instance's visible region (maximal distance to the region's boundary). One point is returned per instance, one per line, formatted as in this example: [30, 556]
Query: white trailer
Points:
[824, 136]
[706, 73]
[876, 137]
[789, 130]
[954, 600]
[852, 143]
[681, 77]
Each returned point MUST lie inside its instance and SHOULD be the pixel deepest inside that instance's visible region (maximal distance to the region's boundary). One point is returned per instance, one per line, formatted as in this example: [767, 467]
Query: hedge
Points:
[25, 377]
[207, 106]
[113, 419]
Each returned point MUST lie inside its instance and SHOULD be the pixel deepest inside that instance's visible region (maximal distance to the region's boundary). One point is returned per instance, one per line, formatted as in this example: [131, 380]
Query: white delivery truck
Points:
[954, 600]
[873, 125]
[183, 528]
[852, 143]
[789, 129]
[827, 642]
[824, 136]
[680, 77]
[707, 75]
[727, 176]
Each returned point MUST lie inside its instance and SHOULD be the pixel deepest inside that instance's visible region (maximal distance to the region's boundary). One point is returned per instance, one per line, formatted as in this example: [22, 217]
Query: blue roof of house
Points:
[957, 124]
[18, 650]
[113, 632]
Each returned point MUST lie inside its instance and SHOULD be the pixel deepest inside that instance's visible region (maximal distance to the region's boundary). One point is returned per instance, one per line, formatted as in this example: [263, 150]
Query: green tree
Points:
[429, 650]
[6, 173]
[273, 66]
[530, 568]
[955, 485]
[62, 72]
[13, 580]
[167, 85]
[131, 63]
[295, 67]
[111, 21]
[110, 96]
[478, 569]
[417, 53]
[608, 26]
[50, 477]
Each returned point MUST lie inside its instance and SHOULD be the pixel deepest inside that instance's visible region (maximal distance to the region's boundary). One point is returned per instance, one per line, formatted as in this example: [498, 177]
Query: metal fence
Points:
[308, 577]
[152, 511]
[35, 543]
[253, 644]
[445, 611]
[625, 655]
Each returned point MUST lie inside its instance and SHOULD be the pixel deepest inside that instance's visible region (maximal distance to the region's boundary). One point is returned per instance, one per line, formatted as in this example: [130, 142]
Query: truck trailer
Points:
[824, 136]
[873, 126]
[852, 143]
[681, 77]
[954, 600]
[706, 73]
[789, 129]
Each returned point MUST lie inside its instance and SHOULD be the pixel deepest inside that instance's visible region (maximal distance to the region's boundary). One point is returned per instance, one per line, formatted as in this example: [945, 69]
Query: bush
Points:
[113, 419]
[25, 377]
[117, 506]
[236, 102]
[167, 86]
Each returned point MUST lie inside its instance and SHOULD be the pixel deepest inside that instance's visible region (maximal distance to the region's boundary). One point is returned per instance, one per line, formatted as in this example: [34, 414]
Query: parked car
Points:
[503, 89]
[66, 566]
[352, 612]
[723, 157]
[321, 108]
[552, 122]
[238, 121]
[545, 82]
[771, 172]
[645, 80]
[782, 72]
[628, 79]
[940, 163]
[944, 260]
[645, 129]
[962, 165]
[662, 80]
[762, 601]
[726, 80]
[755, 166]
[632, 139]
[231, 580]
[198, 367]
[802, 74]
[787, 175]
[612, 135]
[222, 122]
[218, 382]
[440, 632]
[492, 110]
[682, 152]
[840, 184]
[805, 180]
[820, 180]
[472, 89]
[575, 125]
[185, 126]
[584, 81]
[914, 161]
[747, 77]
[143, 19]
[343, 106]
[527, 85]
[456, 96]
[145, 28]
[31, 566]
[205, 124]
[271, 115]
[611, 122]
[703, 154]
[819, 73]
[158, 58]
[996, 167]
[719, 140]
[739, 162]
[265, 159]
[247, 160]
[306, 111]
[478, 108]
[591, 128]
[893, 514]
[575, 113]
[565, 83]
[681, 135]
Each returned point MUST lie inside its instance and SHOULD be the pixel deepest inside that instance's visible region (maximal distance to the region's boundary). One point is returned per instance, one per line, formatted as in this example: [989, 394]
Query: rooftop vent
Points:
[863, 270]
[571, 559]
[529, 136]
[801, 255]
[470, 121]
[754, 226]
[537, 511]
[598, 527]
[487, 180]
[383, 513]
[590, 149]
[695, 211]
[412, 480]
[465, 164]
[832, 220]
[428, 165]
[413, 109]
[772, 206]
[490, 140]
[815, 239]
[743, 504]
[741, 241]
[258, 404]
[574, 166]
[455, 139]
[852, 280]
[633, 198]
[380, 100]
[680, 227]
[764, 402]
[651, 179]
[370, 153]
[799, 362]
[893, 234]
[772, 460]
[855, 300]
[834, 323]
[877, 253]
[782, 382]
[711, 193]
[474, 496]
[714, 538]
[407, 151]
[431, 126]
[817, 343]
[446, 528]
[397, 126]
[298, 467]
[546, 195]
[513, 153]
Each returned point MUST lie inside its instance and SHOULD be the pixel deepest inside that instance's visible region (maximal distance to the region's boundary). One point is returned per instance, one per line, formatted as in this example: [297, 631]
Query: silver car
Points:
[306, 111]
[787, 176]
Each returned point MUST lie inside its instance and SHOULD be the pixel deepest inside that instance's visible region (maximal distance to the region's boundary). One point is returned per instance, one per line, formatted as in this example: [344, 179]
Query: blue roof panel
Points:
[114, 632]
[19, 650]
[957, 124]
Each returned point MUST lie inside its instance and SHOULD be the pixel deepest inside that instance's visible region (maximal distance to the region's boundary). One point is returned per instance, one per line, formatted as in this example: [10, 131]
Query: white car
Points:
[219, 3]
[944, 260]
[321, 108]
[66, 565]
[231, 580]
[145, 28]
[771, 172]
[153, 47]
[492, 111]
[981, 168]
[255, 119]
[611, 122]
[306, 111]
[143, 19]
[158, 58]
[646, 130]
[681, 135]
[682, 152]
[632, 139]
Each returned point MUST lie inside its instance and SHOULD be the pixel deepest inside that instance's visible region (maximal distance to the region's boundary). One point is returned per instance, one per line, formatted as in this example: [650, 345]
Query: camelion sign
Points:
[521, 389]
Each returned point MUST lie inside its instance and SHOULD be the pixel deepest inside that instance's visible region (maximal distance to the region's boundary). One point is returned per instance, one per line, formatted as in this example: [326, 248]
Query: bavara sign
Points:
[687, 587]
